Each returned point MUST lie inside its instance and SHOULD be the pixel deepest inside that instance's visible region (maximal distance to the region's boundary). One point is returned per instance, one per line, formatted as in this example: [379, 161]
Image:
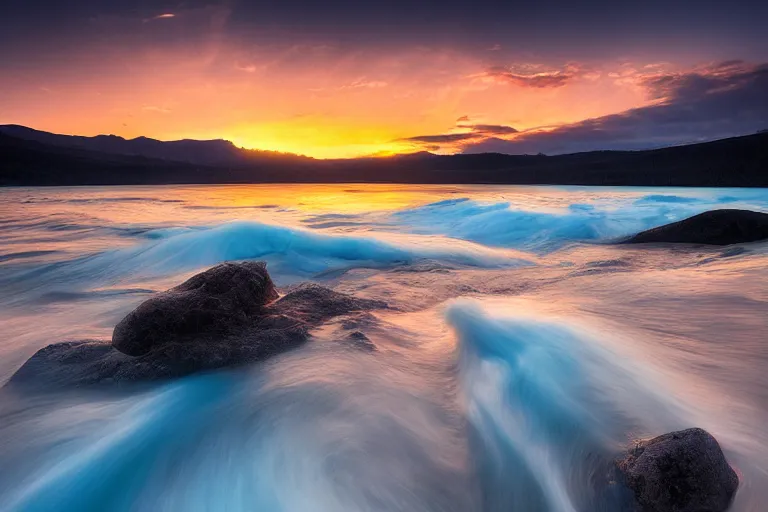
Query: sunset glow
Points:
[203, 72]
[383, 255]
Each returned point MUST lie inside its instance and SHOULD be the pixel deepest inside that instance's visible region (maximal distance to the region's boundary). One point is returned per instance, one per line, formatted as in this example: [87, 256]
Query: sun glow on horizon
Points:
[371, 79]
[319, 138]
[317, 101]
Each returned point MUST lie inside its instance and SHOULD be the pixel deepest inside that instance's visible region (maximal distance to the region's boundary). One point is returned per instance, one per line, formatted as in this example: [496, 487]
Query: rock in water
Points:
[315, 304]
[682, 471]
[716, 227]
[71, 362]
[217, 301]
[229, 315]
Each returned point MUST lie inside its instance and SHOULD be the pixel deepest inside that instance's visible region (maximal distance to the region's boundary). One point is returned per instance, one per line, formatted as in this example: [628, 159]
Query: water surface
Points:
[521, 352]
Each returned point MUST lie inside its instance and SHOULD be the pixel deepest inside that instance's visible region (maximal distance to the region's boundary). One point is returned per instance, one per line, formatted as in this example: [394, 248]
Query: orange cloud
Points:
[363, 83]
[307, 98]
[159, 110]
[537, 80]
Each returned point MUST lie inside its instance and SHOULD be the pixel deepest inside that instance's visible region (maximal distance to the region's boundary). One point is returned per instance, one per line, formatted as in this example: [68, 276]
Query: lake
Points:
[522, 349]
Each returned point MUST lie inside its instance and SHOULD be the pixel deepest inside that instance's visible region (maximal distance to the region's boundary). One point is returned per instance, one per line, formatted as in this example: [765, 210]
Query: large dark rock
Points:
[315, 304]
[716, 227]
[217, 301]
[682, 471]
[225, 316]
[71, 363]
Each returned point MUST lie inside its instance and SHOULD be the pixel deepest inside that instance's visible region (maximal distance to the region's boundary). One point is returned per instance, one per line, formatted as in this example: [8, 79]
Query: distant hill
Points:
[30, 157]
[204, 152]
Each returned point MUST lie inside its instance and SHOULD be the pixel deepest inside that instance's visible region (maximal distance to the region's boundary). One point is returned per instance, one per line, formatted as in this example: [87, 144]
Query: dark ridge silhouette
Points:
[208, 152]
[200, 152]
[734, 162]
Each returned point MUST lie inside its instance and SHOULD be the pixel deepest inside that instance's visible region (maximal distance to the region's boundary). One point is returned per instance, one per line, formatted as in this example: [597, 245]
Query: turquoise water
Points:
[522, 351]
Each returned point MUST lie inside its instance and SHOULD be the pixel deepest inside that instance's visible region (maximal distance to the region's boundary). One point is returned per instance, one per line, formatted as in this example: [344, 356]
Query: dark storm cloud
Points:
[690, 86]
[719, 102]
[479, 132]
[441, 139]
[495, 129]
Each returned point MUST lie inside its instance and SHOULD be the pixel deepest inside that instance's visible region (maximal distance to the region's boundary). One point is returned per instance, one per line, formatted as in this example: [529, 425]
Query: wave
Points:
[98, 200]
[551, 406]
[26, 254]
[667, 198]
[292, 254]
[320, 429]
[295, 251]
[232, 207]
[505, 224]
[502, 225]
[73, 226]
[108, 465]
[160, 233]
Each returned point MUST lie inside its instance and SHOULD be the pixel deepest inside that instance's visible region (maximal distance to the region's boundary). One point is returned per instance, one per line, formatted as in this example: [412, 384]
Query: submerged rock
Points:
[359, 340]
[716, 227]
[70, 362]
[608, 264]
[682, 471]
[733, 251]
[314, 304]
[225, 316]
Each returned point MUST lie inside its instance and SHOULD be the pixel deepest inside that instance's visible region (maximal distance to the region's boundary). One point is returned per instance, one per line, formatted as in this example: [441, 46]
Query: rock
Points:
[608, 264]
[313, 303]
[359, 321]
[682, 471]
[733, 251]
[84, 362]
[359, 340]
[217, 301]
[716, 227]
[225, 316]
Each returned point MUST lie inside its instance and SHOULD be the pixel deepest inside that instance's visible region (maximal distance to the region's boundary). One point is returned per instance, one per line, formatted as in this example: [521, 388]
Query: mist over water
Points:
[521, 352]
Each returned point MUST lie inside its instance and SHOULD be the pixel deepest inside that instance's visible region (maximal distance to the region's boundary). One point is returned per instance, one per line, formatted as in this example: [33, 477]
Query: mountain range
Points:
[30, 157]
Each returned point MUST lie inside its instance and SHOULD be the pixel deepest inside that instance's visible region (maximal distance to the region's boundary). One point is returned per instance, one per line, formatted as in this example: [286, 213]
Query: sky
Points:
[343, 78]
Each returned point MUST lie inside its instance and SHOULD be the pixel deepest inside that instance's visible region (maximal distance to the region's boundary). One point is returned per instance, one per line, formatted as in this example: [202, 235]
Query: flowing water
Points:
[522, 350]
